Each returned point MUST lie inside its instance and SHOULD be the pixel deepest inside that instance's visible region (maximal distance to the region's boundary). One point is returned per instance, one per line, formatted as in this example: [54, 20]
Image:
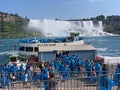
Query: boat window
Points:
[29, 49]
[36, 49]
[21, 48]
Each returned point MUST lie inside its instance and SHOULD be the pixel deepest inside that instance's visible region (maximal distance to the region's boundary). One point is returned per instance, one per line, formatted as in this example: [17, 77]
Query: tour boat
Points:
[45, 49]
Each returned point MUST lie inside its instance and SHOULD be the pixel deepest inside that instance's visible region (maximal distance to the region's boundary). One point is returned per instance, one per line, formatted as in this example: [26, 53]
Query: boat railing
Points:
[28, 41]
[53, 40]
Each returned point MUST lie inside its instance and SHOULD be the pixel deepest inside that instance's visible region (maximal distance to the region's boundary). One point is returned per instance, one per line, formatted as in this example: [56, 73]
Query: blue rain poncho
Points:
[97, 68]
[25, 77]
[44, 77]
[65, 74]
[105, 83]
[21, 76]
[117, 77]
[92, 77]
[68, 62]
[57, 65]
[72, 65]
[21, 69]
[88, 68]
[6, 69]
[5, 82]
[1, 80]
[36, 77]
[80, 62]
[52, 65]
[13, 68]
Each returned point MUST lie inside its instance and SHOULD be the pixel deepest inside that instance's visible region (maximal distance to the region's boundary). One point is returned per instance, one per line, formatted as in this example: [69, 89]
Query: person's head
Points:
[104, 69]
[51, 75]
[119, 65]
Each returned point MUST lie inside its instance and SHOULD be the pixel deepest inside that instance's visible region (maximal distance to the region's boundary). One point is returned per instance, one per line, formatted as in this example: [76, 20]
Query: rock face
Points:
[7, 18]
[4, 17]
[12, 25]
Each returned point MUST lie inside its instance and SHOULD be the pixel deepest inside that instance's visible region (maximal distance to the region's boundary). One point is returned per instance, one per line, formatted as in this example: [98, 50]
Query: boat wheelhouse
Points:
[46, 49]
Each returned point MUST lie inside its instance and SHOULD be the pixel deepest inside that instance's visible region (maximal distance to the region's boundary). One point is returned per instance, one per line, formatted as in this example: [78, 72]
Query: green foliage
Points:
[100, 18]
[15, 28]
[113, 18]
[111, 23]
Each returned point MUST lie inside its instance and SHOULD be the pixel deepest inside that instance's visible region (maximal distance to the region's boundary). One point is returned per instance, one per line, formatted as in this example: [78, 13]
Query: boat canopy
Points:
[14, 56]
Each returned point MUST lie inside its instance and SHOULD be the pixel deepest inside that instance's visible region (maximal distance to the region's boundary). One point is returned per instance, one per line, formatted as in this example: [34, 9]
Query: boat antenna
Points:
[14, 48]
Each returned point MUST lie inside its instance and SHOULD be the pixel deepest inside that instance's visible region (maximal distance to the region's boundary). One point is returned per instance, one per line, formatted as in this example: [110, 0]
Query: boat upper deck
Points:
[49, 40]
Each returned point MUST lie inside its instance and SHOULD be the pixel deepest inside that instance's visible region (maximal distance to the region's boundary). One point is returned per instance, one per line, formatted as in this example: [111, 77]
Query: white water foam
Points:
[50, 27]
[8, 53]
[111, 60]
[102, 49]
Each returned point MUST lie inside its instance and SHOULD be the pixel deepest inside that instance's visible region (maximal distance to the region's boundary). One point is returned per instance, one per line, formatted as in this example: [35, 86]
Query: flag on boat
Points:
[36, 33]
[14, 46]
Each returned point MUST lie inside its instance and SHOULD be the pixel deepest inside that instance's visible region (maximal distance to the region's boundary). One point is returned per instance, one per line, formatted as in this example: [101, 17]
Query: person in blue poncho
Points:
[28, 71]
[106, 68]
[52, 65]
[105, 82]
[13, 79]
[13, 68]
[68, 62]
[88, 67]
[25, 79]
[92, 76]
[21, 69]
[0, 68]
[117, 76]
[72, 65]
[44, 78]
[6, 81]
[97, 68]
[27, 66]
[65, 74]
[21, 76]
[58, 65]
[1, 80]
[35, 78]
[80, 64]
[5, 68]
[76, 65]
[45, 69]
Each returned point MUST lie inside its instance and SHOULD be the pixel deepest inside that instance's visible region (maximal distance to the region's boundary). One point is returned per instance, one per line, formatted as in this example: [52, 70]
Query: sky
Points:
[61, 9]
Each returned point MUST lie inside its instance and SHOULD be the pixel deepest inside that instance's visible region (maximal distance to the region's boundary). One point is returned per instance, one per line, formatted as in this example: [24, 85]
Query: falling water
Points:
[50, 27]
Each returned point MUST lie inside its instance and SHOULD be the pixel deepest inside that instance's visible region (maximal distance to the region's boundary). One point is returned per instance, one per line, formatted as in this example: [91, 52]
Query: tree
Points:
[100, 18]
[16, 15]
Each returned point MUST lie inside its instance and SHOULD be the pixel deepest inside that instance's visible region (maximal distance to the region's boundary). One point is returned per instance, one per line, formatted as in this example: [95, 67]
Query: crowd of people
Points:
[66, 66]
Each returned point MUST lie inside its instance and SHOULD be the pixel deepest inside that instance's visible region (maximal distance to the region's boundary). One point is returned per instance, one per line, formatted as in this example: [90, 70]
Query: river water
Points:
[107, 46]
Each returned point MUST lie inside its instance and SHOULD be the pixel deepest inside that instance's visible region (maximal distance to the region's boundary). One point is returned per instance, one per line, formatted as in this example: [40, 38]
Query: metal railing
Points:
[73, 81]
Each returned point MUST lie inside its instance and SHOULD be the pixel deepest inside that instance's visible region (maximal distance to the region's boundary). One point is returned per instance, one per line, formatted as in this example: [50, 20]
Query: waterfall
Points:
[50, 27]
